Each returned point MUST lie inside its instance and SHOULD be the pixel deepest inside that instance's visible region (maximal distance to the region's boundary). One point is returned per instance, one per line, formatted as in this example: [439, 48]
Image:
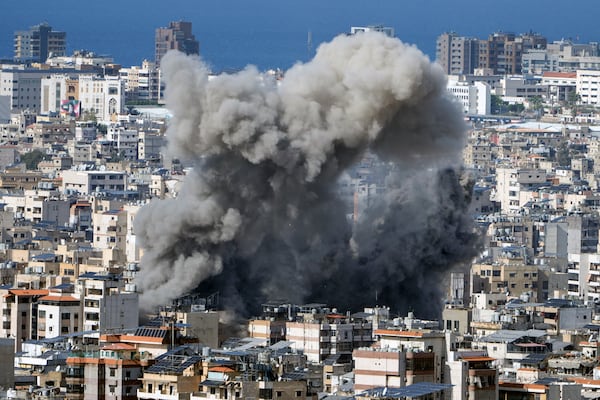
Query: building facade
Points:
[177, 36]
[38, 43]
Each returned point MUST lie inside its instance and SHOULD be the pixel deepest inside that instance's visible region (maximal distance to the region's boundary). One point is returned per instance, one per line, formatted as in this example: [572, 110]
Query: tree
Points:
[498, 105]
[537, 104]
[33, 158]
[573, 100]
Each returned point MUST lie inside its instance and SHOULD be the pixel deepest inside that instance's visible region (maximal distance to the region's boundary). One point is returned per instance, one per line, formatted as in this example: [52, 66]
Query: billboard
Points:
[71, 108]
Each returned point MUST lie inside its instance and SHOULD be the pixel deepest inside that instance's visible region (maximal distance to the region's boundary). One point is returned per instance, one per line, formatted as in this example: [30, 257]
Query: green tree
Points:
[573, 100]
[537, 104]
[33, 158]
[498, 105]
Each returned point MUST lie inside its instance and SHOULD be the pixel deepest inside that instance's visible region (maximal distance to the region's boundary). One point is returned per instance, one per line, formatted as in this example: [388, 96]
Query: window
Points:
[112, 371]
[298, 393]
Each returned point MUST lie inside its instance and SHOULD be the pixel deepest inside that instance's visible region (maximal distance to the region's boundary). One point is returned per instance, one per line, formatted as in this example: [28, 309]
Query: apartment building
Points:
[142, 82]
[510, 182]
[59, 90]
[177, 36]
[560, 85]
[88, 182]
[125, 140]
[19, 314]
[173, 375]
[475, 98]
[23, 89]
[403, 357]
[58, 315]
[456, 54]
[588, 86]
[37, 43]
[114, 371]
[473, 375]
[107, 306]
[328, 334]
[509, 275]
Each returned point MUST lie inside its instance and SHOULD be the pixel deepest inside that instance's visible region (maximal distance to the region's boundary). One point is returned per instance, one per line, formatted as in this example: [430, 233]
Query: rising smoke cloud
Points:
[259, 216]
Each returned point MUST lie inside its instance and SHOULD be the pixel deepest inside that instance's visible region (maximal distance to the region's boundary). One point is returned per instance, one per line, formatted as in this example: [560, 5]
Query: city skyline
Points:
[233, 34]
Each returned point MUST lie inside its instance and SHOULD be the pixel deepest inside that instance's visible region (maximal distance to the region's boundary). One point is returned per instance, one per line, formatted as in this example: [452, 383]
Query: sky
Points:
[271, 34]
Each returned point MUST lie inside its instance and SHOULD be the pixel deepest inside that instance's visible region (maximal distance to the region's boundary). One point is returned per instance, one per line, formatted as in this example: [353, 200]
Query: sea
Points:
[274, 34]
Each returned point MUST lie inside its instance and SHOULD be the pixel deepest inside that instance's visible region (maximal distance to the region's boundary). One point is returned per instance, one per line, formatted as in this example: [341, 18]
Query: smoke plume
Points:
[260, 217]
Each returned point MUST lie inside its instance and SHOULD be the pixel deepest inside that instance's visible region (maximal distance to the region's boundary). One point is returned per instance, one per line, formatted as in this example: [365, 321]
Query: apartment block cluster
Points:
[521, 322]
[518, 68]
[43, 79]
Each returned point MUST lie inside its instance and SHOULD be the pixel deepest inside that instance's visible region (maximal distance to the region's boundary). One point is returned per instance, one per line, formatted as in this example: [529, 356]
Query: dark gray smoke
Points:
[259, 217]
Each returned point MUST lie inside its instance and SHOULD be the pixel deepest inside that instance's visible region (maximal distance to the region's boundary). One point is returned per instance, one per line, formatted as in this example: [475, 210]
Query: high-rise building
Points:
[457, 54]
[178, 36]
[39, 42]
[501, 52]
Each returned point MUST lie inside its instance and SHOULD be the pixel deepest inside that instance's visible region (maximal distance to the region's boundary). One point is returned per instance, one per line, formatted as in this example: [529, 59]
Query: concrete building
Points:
[386, 30]
[103, 97]
[474, 98]
[511, 181]
[39, 42]
[59, 90]
[177, 36]
[88, 182]
[142, 82]
[560, 85]
[323, 334]
[166, 380]
[58, 315]
[23, 87]
[106, 304]
[19, 314]
[125, 141]
[113, 371]
[584, 276]
[456, 54]
[588, 87]
[509, 275]
[402, 358]
[473, 375]
[150, 145]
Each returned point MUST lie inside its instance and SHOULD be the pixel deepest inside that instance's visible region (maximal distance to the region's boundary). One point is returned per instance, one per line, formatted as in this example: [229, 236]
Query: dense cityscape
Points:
[163, 237]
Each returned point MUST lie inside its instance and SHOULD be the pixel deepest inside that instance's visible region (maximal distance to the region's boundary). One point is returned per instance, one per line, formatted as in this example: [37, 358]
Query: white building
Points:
[511, 183]
[126, 141]
[23, 87]
[588, 86]
[87, 182]
[373, 28]
[141, 83]
[102, 97]
[46, 205]
[560, 85]
[475, 98]
[58, 315]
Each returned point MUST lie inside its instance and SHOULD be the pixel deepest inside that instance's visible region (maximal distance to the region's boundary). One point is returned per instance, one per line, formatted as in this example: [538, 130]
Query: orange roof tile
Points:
[392, 332]
[478, 358]
[28, 292]
[221, 369]
[560, 74]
